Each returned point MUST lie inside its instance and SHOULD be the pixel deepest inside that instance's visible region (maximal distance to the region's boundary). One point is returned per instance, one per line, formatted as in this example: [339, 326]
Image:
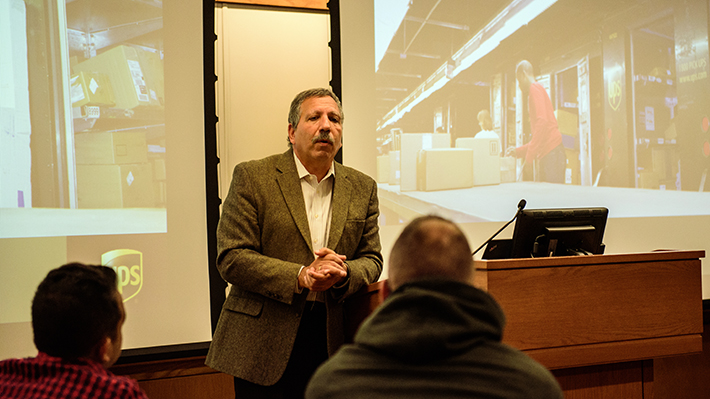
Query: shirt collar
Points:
[46, 358]
[303, 172]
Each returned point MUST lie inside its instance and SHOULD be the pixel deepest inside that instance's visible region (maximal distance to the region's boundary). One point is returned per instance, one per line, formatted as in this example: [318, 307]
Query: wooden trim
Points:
[617, 352]
[160, 369]
[560, 261]
[310, 4]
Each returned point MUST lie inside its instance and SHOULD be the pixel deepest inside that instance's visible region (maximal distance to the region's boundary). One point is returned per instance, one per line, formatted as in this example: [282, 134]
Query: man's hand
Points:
[510, 151]
[327, 270]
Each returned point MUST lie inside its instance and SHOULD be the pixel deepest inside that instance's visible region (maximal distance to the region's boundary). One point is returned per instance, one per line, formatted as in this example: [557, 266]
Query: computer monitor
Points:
[559, 232]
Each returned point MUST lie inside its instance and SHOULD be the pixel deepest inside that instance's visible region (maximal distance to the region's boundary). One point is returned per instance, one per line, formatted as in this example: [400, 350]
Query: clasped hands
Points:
[327, 270]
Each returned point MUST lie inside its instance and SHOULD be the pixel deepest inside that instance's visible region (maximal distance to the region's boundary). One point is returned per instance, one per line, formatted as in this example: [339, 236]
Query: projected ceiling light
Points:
[516, 15]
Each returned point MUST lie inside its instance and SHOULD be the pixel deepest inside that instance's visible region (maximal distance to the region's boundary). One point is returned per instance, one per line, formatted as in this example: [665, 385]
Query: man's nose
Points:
[324, 124]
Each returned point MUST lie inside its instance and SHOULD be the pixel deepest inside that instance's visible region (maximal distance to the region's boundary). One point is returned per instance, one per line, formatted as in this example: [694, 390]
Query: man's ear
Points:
[104, 351]
[291, 133]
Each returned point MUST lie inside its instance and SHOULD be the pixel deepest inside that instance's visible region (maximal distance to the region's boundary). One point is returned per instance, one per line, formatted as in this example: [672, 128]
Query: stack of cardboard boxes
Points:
[135, 74]
[116, 169]
[427, 162]
[113, 171]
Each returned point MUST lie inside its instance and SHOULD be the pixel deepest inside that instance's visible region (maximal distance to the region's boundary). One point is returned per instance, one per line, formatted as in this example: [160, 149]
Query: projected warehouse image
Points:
[83, 126]
[616, 103]
[85, 123]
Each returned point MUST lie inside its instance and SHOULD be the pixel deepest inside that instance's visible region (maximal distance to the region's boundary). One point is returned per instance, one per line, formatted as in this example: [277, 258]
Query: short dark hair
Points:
[75, 307]
[294, 113]
[430, 247]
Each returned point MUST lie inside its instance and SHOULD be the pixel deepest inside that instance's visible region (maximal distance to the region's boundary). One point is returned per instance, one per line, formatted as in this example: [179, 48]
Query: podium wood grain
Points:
[577, 311]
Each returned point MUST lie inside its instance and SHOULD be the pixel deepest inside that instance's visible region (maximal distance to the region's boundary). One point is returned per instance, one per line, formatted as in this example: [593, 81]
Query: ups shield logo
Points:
[128, 265]
[614, 89]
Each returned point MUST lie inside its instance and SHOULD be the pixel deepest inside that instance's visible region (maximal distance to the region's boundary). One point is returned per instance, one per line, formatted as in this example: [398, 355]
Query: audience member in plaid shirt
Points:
[77, 316]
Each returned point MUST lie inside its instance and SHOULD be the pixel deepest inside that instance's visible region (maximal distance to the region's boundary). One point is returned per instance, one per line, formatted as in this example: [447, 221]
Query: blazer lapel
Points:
[339, 208]
[290, 186]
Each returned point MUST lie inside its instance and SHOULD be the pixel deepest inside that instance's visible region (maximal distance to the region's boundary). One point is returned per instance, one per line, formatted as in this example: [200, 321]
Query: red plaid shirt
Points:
[47, 377]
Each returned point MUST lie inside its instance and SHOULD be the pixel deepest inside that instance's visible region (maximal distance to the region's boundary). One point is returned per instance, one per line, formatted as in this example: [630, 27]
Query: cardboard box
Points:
[154, 73]
[444, 169]
[486, 159]
[411, 143]
[89, 88]
[383, 168]
[123, 67]
[111, 148]
[115, 186]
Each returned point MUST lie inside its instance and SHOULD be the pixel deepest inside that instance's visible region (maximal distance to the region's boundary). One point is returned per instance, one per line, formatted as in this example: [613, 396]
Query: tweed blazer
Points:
[263, 239]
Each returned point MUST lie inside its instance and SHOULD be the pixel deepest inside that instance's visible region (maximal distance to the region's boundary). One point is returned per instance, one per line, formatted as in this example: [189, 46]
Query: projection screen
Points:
[102, 160]
[628, 82]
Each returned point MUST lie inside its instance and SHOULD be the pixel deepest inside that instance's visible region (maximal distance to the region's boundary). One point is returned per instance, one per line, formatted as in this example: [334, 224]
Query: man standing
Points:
[298, 234]
[77, 316]
[435, 335]
[545, 145]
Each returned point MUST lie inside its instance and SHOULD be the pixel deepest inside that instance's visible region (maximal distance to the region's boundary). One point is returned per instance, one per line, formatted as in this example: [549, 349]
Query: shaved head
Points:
[430, 247]
[525, 75]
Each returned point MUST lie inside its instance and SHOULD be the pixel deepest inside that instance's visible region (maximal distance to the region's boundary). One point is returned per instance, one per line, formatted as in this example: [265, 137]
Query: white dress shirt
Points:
[318, 197]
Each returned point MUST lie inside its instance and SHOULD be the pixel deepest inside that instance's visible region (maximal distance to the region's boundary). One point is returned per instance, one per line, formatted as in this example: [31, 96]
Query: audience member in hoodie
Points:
[435, 335]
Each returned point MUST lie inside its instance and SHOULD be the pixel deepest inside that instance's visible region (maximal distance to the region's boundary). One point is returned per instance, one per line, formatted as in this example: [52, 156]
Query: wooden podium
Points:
[596, 321]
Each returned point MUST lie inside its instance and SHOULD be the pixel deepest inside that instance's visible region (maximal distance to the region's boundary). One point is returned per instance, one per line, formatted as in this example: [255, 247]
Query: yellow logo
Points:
[615, 93]
[614, 90]
[128, 265]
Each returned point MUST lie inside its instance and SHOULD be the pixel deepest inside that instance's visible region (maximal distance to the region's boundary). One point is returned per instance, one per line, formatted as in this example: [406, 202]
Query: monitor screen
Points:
[559, 232]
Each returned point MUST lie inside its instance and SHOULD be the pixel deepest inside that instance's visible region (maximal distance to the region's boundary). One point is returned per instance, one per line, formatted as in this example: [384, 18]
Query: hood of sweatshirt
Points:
[428, 320]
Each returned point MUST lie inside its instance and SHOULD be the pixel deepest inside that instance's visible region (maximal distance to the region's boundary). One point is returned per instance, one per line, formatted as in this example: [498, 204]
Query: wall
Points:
[264, 57]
